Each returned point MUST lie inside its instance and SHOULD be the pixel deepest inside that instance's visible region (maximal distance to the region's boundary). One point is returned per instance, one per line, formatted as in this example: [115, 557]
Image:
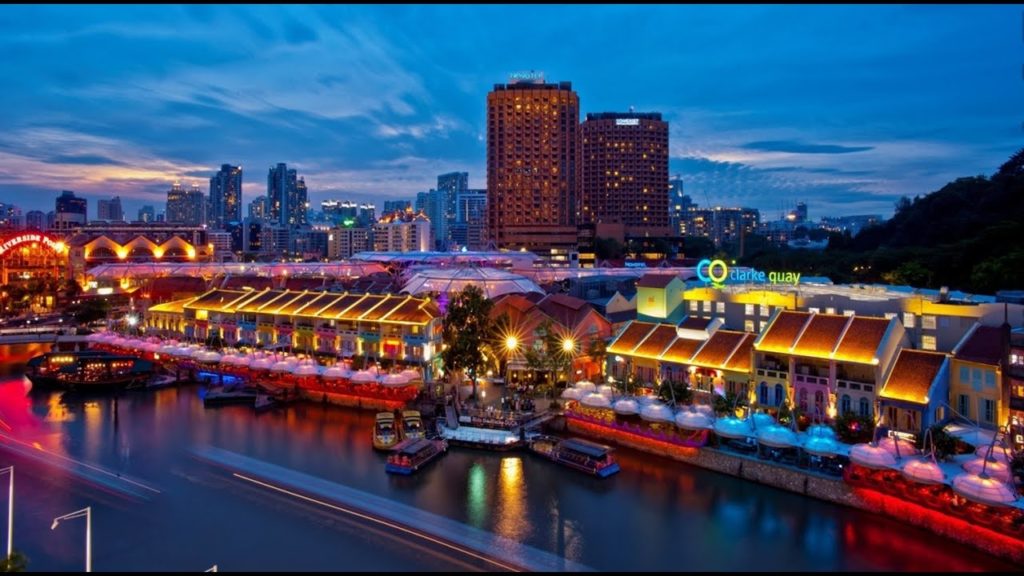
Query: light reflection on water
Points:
[653, 515]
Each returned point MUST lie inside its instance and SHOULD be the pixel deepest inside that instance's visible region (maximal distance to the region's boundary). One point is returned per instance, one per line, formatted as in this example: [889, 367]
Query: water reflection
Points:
[656, 514]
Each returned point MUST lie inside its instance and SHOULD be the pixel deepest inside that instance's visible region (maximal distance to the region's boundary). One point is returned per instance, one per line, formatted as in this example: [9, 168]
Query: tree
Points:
[597, 350]
[945, 444]
[724, 405]
[16, 562]
[677, 392]
[466, 329]
[852, 428]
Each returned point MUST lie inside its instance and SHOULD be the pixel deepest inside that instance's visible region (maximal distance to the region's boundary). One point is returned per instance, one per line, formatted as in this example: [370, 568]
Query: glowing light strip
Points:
[391, 525]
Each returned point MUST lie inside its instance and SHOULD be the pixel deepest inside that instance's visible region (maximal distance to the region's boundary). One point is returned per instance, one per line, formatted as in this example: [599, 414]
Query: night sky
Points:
[847, 108]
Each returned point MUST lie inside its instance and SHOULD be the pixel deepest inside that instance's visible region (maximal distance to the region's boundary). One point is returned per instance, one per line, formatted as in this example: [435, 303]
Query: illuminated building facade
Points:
[138, 242]
[186, 207]
[225, 196]
[373, 326]
[70, 212]
[402, 232]
[625, 172]
[533, 166]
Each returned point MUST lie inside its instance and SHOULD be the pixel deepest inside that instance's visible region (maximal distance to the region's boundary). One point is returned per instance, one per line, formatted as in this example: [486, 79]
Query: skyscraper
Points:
[186, 207]
[258, 209]
[147, 214]
[287, 197]
[35, 220]
[679, 204]
[396, 206]
[110, 210]
[69, 212]
[449, 186]
[225, 196]
[532, 164]
[625, 172]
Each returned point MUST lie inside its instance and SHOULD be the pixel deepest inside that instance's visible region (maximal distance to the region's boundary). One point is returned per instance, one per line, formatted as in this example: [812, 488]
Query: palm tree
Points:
[16, 562]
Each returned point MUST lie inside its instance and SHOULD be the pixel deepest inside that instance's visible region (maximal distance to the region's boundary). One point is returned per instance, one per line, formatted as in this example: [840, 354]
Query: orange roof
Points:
[656, 341]
[261, 298]
[821, 335]
[782, 332]
[334, 309]
[718, 349]
[655, 280]
[984, 345]
[681, 350]
[862, 339]
[292, 305]
[912, 376]
[218, 300]
[388, 303]
[740, 359]
[632, 336]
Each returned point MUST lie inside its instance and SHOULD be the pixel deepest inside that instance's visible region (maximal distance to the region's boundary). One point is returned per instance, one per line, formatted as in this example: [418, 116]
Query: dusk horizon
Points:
[844, 108]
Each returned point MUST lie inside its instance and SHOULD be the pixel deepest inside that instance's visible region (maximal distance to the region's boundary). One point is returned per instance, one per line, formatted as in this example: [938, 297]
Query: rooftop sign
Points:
[529, 77]
[716, 272]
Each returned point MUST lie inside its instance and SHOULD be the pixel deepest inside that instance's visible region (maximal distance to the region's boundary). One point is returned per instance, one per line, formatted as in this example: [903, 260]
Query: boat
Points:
[411, 454]
[583, 455]
[156, 382]
[483, 438]
[412, 424]
[87, 370]
[385, 435]
[229, 396]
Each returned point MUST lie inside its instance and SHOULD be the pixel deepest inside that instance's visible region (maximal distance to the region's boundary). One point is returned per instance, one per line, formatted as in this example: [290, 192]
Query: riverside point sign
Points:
[716, 272]
[15, 241]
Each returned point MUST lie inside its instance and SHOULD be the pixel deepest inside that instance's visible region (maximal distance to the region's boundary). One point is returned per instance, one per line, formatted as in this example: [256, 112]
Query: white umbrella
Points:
[995, 468]
[871, 456]
[776, 436]
[733, 427]
[626, 407]
[243, 360]
[821, 446]
[693, 419]
[585, 386]
[656, 413]
[595, 400]
[394, 380]
[305, 370]
[997, 452]
[821, 430]
[924, 470]
[95, 337]
[282, 366]
[363, 377]
[334, 373]
[412, 374]
[210, 357]
[762, 420]
[605, 390]
[889, 443]
[983, 489]
[571, 394]
[704, 409]
[263, 363]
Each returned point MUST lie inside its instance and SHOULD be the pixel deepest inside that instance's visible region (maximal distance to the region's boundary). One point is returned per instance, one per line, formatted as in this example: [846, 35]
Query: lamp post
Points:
[569, 349]
[511, 346]
[87, 512]
[10, 511]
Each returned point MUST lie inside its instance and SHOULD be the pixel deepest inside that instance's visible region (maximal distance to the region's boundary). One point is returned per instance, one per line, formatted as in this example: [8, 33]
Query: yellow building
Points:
[975, 382]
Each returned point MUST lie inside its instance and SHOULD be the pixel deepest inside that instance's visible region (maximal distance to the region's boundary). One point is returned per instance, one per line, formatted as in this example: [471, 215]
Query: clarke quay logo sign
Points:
[716, 272]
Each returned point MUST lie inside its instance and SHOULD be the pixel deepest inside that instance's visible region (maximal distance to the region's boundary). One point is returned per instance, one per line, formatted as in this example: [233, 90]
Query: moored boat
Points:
[385, 435]
[583, 455]
[87, 370]
[411, 454]
[412, 424]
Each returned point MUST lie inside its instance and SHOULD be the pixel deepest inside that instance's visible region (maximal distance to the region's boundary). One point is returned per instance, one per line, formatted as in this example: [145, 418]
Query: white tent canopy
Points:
[492, 281]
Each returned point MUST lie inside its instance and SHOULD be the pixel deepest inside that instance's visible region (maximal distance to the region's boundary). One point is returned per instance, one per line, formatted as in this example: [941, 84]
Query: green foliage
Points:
[945, 445]
[466, 329]
[16, 562]
[677, 392]
[724, 405]
[549, 356]
[597, 350]
[852, 428]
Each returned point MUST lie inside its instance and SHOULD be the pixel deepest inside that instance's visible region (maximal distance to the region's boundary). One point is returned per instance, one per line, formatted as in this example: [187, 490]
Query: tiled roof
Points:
[337, 308]
[218, 300]
[862, 339]
[740, 359]
[365, 307]
[566, 310]
[984, 345]
[656, 341]
[254, 282]
[173, 307]
[912, 376]
[681, 350]
[655, 280]
[820, 336]
[692, 323]
[782, 332]
[631, 336]
[718, 348]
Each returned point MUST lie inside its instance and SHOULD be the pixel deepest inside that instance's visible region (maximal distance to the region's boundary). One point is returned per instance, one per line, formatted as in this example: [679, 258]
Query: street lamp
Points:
[10, 511]
[511, 346]
[87, 512]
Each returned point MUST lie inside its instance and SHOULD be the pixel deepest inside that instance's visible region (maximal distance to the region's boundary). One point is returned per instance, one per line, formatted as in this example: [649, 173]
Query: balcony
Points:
[808, 379]
[855, 385]
[773, 372]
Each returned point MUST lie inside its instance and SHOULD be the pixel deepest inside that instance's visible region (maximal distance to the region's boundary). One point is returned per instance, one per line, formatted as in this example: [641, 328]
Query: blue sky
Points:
[845, 107]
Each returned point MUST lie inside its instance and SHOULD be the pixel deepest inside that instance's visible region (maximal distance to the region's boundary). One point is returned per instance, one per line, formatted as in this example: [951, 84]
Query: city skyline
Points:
[846, 108]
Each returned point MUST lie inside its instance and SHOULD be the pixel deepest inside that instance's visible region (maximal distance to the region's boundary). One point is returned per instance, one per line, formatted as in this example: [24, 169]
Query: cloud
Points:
[801, 148]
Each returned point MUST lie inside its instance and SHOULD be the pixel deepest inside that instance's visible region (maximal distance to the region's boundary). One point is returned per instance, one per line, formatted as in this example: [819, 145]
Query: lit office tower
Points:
[396, 206]
[35, 220]
[225, 196]
[286, 197]
[186, 207]
[625, 172]
[532, 162]
[679, 203]
[258, 208]
[69, 212]
[449, 186]
[147, 214]
[110, 210]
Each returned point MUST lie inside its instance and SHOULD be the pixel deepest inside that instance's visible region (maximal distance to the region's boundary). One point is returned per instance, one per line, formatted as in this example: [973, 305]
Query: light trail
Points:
[382, 522]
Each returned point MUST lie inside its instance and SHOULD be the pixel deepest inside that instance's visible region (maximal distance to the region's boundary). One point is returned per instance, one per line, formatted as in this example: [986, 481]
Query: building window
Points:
[965, 375]
[844, 404]
[763, 324]
[814, 310]
[891, 415]
[803, 400]
[990, 379]
[963, 405]
[928, 322]
[928, 342]
[976, 378]
[864, 407]
[693, 305]
[720, 307]
[890, 315]
[830, 310]
[819, 403]
[989, 413]
[764, 310]
[748, 325]
[779, 395]
[908, 319]
[748, 309]
[707, 306]
[762, 394]
[847, 312]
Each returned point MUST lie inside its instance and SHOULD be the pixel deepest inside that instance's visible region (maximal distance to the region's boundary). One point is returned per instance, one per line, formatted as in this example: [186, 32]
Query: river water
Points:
[157, 507]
